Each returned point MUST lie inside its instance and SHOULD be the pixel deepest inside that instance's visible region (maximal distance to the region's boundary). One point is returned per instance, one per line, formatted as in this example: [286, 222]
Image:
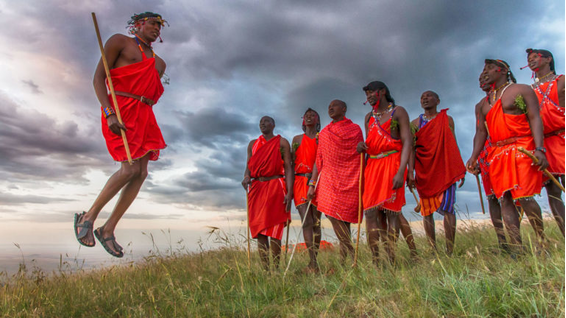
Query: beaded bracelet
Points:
[312, 183]
[108, 111]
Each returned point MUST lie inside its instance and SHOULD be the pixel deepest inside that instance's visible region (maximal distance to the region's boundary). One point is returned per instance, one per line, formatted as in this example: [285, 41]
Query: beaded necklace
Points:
[377, 115]
[425, 117]
[504, 86]
[144, 42]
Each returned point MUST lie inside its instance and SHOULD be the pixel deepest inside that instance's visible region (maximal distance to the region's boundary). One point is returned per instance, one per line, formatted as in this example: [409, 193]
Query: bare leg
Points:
[275, 251]
[533, 212]
[372, 230]
[450, 232]
[392, 234]
[407, 234]
[495, 215]
[127, 196]
[317, 231]
[556, 204]
[428, 222]
[114, 184]
[308, 232]
[511, 219]
[263, 248]
[342, 230]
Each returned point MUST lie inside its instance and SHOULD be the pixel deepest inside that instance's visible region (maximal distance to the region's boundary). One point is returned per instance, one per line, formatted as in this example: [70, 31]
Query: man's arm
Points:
[560, 88]
[412, 155]
[533, 115]
[362, 146]
[314, 177]
[479, 140]
[112, 50]
[289, 173]
[247, 174]
[402, 118]
[453, 128]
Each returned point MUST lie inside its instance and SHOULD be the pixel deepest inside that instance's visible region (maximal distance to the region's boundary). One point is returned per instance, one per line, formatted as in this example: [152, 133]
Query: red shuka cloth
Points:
[143, 134]
[438, 163]
[510, 169]
[338, 164]
[553, 119]
[266, 206]
[379, 173]
[305, 156]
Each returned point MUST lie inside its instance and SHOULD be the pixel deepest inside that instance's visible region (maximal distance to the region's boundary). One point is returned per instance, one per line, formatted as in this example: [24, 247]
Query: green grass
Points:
[477, 281]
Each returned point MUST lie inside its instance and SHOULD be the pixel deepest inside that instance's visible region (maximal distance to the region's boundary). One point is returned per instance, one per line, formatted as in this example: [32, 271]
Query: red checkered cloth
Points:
[338, 164]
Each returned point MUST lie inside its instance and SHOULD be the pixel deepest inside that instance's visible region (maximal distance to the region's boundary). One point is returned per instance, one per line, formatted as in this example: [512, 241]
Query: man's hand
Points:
[542, 162]
[361, 147]
[472, 166]
[287, 201]
[246, 182]
[310, 193]
[462, 182]
[410, 180]
[115, 125]
[398, 181]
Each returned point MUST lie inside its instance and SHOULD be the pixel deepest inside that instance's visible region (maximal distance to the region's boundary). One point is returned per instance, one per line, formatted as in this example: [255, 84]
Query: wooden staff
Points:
[359, 209]
[535, 160]
[248, 226]
[479, 191]
[301, 229]
[109, 78]
[418, 207]
[287, 239]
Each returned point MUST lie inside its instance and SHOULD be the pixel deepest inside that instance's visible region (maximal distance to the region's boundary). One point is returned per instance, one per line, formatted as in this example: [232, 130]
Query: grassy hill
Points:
[477, 281]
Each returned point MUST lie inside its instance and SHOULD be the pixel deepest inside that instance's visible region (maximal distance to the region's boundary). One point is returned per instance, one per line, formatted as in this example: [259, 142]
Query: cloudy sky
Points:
[229, 63]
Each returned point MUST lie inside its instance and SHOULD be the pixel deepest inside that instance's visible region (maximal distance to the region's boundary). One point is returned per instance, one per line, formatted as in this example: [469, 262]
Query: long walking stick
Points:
[248, 221]
[479, 190]
[109, 78]
[418, 207]
[548, 174]
[359, 209]
[287, 239]
[301, 229]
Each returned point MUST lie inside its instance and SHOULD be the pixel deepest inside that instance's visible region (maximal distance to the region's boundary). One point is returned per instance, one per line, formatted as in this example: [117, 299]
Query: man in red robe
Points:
[269, 177]
[136, 75]
[388, 146]
[338, 164]
[493, 203]
[304, 155]
[549, 88]
[512, 120]
[437, 165]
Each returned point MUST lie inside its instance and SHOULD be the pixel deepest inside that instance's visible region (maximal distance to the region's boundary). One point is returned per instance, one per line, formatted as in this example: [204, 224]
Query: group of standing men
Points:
[339, 173]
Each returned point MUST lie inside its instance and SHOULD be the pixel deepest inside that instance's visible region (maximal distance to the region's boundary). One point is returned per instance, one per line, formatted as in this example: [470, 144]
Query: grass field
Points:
[478, 281]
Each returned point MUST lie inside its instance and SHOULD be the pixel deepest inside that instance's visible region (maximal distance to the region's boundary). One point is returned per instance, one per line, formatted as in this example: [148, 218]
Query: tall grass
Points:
[477, 281]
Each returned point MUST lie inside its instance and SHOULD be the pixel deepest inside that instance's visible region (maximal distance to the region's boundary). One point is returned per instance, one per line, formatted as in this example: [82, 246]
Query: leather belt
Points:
[554, 133]
[263, 179]
[142, 99]
[508, 141]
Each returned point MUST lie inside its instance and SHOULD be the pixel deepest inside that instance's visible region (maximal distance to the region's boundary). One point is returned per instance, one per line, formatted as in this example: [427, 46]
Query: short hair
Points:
[317, 115]
[433, 93]
[543, 53]
[504, 65]
[137, 17]
[270, 118]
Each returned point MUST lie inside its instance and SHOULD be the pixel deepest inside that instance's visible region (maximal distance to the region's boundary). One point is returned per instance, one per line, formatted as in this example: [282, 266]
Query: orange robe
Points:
[265, 199]
[383, 163]
[553, 119]
[338, 163]
[510, 169]
[484, 168]
[305, 157]
[143, 134]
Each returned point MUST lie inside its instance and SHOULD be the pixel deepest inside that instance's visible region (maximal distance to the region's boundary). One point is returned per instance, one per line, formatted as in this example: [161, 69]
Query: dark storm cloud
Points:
[33, 144]
[269, 57]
